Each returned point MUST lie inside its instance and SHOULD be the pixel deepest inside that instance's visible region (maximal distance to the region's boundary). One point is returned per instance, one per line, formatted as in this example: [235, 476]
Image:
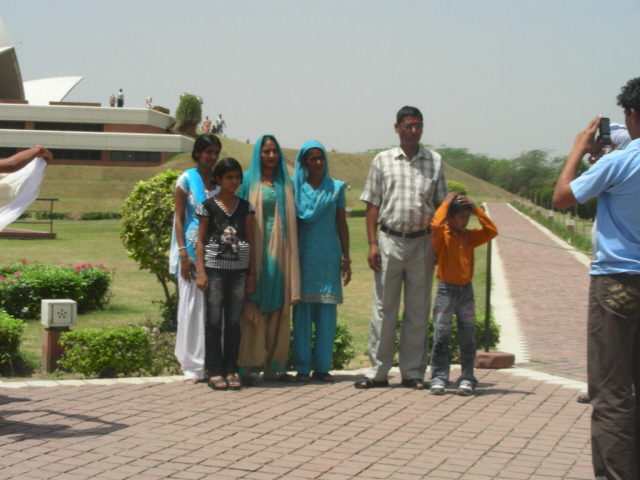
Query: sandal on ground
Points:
[415, 383]
[366, 383]
[286, 378]
[218, 383]
[303, 378]
[249, 381]
[233, 381]
[190, 381]
[322, 377]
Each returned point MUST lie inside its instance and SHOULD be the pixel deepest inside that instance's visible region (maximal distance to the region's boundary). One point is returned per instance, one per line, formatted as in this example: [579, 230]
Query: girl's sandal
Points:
[218, 383]
[233, 381]
[190, 381]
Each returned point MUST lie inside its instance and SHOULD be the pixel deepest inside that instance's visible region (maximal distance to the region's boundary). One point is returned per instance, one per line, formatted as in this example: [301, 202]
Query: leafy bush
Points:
[24, 215]
[11, 330]
[52, 215]
[168, 312]
[106, 352]
[145, 231]
[99, 215]
[456, 187]
[343, 351]
[358, 212]
[162, 348]
[24, 285]
[454, 347]
[189, 111]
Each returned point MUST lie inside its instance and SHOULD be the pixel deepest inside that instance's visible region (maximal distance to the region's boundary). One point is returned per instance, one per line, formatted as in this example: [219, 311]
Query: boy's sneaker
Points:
[465, 389]
[437, 389]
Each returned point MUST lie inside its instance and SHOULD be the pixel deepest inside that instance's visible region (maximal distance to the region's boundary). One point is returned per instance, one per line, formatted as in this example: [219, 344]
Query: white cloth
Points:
[190, 337]
[19, 189]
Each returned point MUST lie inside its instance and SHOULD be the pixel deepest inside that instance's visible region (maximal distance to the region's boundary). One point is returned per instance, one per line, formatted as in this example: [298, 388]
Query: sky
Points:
[498, 77]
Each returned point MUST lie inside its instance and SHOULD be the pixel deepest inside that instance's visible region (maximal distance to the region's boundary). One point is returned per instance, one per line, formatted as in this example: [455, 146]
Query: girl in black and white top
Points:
[226, 272]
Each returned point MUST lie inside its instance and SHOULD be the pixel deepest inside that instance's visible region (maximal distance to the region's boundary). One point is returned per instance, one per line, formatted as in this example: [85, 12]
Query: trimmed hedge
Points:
[11, 330]
[24, 285]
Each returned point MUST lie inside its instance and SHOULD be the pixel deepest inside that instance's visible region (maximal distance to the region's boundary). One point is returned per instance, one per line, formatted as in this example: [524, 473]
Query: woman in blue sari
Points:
[264, 343]
[323, 238]
[193, 187]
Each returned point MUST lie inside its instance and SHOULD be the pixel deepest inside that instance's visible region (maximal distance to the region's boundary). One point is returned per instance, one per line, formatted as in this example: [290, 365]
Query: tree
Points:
[188, 113]
[147, 222]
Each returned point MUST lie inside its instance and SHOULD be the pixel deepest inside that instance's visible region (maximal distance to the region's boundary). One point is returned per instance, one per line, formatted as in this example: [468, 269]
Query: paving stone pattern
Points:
[516, 427]
[550, 290]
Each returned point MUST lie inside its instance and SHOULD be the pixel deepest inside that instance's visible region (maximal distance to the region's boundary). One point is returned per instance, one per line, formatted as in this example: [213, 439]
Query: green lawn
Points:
[135, 290]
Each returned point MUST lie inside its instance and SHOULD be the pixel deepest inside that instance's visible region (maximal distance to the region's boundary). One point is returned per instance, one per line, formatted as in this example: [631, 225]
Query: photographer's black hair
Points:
[630, 96]
[407, 112]
[226, 165]
[202, 142]
[456, 207]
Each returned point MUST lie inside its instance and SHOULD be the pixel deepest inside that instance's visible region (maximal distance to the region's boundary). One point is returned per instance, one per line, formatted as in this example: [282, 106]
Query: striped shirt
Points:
[405, 190]
[226, 247]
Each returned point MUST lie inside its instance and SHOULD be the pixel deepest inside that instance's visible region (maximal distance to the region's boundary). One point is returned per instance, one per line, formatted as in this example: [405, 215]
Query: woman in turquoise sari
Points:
[323, 238]
[264, 344]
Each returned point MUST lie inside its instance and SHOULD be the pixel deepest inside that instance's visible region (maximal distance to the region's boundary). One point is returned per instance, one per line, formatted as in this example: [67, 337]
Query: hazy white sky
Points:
[495, 76]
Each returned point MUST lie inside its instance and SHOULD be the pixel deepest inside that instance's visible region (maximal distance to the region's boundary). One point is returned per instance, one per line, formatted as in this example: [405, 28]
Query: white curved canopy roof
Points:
[45, 90]
[36, 92]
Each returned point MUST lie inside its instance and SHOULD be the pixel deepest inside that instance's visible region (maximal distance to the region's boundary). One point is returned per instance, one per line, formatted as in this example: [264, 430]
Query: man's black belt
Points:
[419, 233]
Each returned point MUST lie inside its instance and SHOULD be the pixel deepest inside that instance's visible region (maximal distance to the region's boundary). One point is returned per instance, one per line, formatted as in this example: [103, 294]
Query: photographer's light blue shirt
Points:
[615, 180]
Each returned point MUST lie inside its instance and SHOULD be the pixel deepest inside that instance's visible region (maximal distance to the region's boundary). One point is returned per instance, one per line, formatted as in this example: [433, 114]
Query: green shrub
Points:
[24, 285]
[454, 347]
[11, 330]
[360, 212]
[51, 215]
[99, 215]
[24, 215]
[162, 347]
[189, 111]
[106, 352]
[456, 187]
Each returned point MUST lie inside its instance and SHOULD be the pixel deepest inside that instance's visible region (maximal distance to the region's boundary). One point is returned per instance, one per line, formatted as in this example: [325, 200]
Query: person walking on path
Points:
[613, 325]
[454, 245]
[323, 241]
[403, 189]
[265, 338]
[193, 187]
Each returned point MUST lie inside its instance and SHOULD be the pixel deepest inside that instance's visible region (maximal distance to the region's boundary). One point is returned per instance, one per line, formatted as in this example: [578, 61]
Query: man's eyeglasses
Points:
[412, 126]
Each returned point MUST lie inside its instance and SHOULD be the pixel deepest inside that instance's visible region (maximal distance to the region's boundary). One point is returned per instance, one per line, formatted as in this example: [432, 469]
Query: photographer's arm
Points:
[584, 143]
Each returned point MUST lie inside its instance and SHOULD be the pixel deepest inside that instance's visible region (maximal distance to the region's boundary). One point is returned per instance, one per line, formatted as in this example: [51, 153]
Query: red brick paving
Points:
[515, 428]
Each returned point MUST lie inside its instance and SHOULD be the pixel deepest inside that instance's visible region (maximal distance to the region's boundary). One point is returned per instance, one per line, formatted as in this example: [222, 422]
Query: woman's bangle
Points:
[348, 260]
[182, 248]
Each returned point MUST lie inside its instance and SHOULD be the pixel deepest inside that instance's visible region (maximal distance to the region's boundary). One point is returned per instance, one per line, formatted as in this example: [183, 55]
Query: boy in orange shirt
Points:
[454, 244]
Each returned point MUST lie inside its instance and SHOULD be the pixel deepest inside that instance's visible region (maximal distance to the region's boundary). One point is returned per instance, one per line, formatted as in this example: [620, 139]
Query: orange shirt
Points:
[454, 250]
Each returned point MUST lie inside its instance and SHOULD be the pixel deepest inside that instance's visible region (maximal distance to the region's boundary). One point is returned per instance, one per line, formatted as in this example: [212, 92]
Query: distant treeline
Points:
[531, 175]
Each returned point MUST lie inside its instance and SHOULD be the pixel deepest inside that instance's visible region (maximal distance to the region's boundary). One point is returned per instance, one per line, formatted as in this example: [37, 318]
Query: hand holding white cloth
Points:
[19, 189]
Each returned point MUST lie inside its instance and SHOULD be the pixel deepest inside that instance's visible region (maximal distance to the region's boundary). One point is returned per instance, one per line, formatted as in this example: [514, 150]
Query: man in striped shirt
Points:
[403, 189]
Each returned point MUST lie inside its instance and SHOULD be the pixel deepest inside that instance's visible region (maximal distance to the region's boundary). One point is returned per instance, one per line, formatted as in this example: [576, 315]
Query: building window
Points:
[118, 156]
[7, 152]
[69, 127]
[68, 154]
[11, 125]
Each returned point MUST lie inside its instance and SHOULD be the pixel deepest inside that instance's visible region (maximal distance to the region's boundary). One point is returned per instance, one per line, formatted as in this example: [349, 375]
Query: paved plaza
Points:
[524, 422]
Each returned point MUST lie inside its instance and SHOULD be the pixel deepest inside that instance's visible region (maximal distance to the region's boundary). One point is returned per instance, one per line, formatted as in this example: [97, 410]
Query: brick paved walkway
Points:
[549, 288]
[523, 424]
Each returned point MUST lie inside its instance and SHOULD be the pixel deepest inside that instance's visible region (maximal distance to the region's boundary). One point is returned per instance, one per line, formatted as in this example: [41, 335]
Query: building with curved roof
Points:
[35, 112]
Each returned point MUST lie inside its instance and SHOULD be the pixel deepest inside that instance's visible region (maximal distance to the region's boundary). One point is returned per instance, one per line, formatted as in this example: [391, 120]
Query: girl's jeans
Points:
[459, 300]
[225, 298]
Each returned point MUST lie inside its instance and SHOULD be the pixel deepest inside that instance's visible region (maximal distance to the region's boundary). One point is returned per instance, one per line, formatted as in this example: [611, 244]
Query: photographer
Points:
[613, 330]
